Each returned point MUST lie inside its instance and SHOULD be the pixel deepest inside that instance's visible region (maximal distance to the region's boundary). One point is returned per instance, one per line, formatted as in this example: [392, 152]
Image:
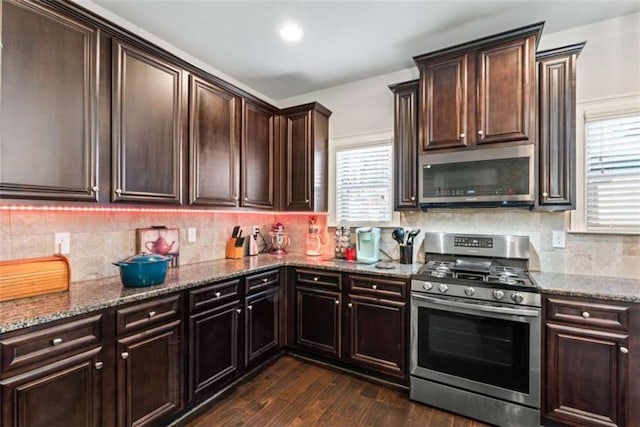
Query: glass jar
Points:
[313, 243]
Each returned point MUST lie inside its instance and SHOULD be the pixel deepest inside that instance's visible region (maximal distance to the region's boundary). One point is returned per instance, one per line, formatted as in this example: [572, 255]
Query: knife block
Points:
[233, 252]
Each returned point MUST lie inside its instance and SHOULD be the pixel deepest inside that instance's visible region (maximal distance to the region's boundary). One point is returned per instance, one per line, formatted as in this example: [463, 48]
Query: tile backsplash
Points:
[100, 238]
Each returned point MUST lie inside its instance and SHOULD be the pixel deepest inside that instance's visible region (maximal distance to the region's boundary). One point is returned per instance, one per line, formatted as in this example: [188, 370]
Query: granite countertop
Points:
[93, 295]
[582, 285]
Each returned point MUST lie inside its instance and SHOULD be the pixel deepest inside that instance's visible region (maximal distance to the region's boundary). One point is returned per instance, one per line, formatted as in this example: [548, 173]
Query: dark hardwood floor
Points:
[295, 393]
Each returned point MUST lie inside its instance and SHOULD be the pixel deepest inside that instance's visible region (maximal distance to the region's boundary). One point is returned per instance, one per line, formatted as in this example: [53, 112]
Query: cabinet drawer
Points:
[142, 315]
[376, 286]
[319, 278]
[214, 295]
[602, 315]
[32, 347]
[260, 281]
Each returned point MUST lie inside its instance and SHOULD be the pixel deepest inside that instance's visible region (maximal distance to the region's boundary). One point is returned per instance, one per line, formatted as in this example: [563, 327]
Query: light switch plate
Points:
[558, 239]
[191, 234]
[62, 243]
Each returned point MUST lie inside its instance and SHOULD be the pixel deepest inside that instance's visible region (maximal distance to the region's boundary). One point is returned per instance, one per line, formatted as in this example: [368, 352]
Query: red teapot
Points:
[159, 246]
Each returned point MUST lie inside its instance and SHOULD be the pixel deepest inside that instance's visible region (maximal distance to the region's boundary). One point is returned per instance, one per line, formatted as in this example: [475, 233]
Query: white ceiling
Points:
[343, 41]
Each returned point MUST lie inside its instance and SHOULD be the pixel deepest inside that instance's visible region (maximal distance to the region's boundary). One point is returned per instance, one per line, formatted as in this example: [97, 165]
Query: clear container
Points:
[313, 243]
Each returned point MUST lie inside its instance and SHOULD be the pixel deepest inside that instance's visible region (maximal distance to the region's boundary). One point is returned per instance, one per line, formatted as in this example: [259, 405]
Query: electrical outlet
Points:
[191, 234]
[558, 239]
[62, 243]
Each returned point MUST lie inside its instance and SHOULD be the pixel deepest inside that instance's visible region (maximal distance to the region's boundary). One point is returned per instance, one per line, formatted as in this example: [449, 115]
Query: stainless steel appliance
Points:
[491, 177]
[475, 329]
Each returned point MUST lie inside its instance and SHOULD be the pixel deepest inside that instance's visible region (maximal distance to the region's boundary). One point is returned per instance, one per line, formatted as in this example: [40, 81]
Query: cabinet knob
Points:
[246, 199]
[462, 135]
[265, 280]
[586, 314]
[412, 198]
[306, 200]
[545, 194]
[98, 365]
[337, 302]
[238, 310]
[118, 191]
[151, 314]
[95, 188]
[374, 287]
[235, 198]
[217, 294]
[315, 278]
[624, 350]
[249, 307]
[349, 305]
[56, 341]
[480, 132]
[124, 355]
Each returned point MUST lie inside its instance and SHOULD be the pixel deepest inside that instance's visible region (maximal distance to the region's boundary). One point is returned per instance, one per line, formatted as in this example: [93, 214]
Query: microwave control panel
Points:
[473, 242]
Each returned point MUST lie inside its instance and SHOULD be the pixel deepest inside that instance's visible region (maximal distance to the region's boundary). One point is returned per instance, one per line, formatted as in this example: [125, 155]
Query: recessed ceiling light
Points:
[291, 32]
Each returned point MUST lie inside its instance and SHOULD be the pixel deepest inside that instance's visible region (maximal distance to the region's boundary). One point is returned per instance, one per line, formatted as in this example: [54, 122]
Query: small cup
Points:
[350, 254]
[406, 254]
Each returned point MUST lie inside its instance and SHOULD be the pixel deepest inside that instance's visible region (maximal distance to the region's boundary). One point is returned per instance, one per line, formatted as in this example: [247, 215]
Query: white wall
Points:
[609, 65]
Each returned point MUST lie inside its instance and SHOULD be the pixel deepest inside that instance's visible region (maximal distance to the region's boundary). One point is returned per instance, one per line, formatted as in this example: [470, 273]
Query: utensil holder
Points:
[406, 254]
[233, 252]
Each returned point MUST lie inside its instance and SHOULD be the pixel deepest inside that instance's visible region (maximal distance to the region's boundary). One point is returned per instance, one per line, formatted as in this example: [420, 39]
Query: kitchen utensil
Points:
[412, 236]
[234, 233]
[240, 242]
[143, 269]
[398, 235]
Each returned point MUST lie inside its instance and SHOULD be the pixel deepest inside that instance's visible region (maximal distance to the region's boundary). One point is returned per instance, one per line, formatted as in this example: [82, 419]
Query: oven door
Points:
[493, 349]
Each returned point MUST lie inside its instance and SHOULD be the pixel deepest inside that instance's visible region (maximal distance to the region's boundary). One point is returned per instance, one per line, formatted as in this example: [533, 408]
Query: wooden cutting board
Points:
[21, 278]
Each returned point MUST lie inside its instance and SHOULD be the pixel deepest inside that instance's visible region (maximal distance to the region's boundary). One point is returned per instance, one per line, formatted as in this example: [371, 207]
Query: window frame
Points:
[600, 108]
[360, 140]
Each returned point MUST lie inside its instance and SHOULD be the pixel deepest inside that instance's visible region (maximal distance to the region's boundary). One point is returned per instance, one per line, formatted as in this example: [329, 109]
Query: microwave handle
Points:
[479, 307]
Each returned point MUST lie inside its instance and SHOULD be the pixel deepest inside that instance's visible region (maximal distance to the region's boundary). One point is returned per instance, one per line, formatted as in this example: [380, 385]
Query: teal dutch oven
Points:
[143, 269]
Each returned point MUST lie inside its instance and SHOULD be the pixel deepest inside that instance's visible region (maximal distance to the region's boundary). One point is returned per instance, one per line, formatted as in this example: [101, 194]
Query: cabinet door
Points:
[147, 127]
[261, 328]
[318, 324]
[149, 375]
[257, 156]
[586, 376]
[298, 161]
[405, 146]
[557, 121]
[506, 87]
[213, 349]
[377, 334]
[214, 148]
[49, 105]
[64, 393]
[444, 103]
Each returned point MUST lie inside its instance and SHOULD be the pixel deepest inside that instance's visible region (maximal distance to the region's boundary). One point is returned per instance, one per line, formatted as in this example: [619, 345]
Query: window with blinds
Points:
[612, 173]
[363, 184]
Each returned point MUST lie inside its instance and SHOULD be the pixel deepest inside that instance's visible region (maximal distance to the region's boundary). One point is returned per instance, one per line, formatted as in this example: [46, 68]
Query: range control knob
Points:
[443, 288]
[498, 294]
[517, 297]
[427, 286]
[469, 291]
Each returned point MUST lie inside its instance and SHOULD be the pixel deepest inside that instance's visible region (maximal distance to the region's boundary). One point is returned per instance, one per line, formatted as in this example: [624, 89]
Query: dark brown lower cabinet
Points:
[377, 334]
[213, 349]
[64, 393]
[318, 321]
[262, 320]
[149, 372]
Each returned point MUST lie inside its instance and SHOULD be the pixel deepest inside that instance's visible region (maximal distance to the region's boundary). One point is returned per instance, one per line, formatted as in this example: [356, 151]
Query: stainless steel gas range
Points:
[475, 329]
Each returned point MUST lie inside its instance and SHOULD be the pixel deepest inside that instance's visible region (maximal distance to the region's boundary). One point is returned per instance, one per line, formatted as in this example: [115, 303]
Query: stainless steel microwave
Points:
[489, 177]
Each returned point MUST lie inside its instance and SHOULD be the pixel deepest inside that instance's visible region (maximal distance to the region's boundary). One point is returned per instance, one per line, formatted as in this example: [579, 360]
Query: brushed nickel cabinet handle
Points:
[238, 310]
[315, 278]
[586, 314]
[151, 314]
[412, 198]
[95, 188]
[124, 355]
[249, 307]
[56, 341]
[349, 305]
[98, 365]
[624, 350]
[545, 194]
[265, 280]
[337, 302]
[246, 199]
[374, 287]
[235, 198]
[217, 294]
[306, 200]
[118, 191]
[480, 132]
[462, 135]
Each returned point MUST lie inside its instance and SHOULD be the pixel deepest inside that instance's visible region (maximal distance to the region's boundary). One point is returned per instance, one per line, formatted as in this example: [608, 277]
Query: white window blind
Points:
[612, 173]
[363, 184]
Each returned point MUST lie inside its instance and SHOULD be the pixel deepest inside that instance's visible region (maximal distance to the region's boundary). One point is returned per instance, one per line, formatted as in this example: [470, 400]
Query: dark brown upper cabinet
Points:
[258, 155]
[557, 122]
[49, 104]
[481, 92]
[214, 144]
[306, 145]
[405, 145]
[147, 116]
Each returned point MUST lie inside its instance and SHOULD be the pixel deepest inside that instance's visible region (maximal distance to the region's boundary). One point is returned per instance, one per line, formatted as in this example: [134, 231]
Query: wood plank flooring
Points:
[295, 393]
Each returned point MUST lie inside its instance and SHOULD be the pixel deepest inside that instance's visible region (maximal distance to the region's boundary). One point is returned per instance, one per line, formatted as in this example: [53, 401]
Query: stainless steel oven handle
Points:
[480, 307]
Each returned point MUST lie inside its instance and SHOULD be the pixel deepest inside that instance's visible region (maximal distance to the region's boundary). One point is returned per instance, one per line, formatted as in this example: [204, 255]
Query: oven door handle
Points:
[479, 307]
